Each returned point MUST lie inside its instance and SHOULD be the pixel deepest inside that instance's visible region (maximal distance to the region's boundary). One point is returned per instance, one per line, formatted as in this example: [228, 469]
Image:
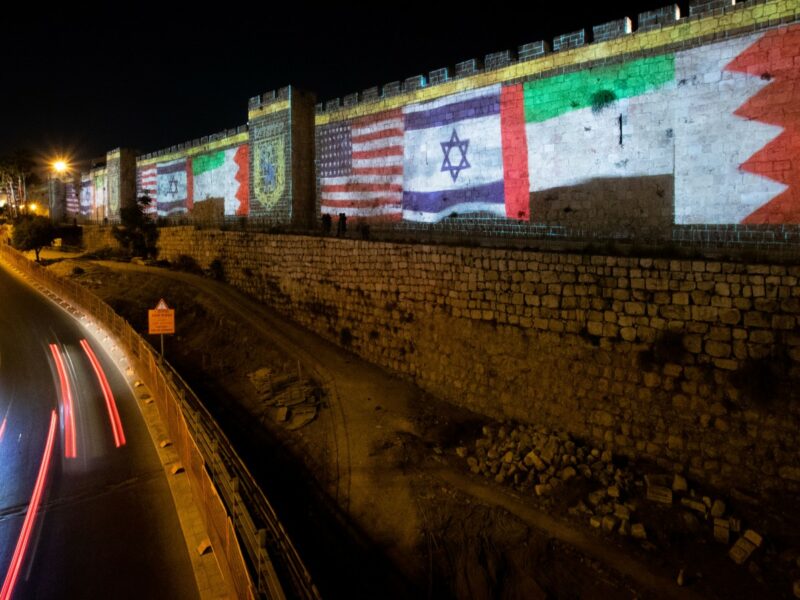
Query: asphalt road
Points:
[106, 525]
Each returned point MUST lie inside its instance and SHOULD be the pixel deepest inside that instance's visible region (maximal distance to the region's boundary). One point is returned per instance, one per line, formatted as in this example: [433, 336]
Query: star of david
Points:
[447, 164]
[173, 187]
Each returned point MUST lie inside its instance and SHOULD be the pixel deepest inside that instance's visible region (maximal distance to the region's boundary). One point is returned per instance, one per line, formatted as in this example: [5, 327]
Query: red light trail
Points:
[70, 444]
[111, 405]
[30, 517]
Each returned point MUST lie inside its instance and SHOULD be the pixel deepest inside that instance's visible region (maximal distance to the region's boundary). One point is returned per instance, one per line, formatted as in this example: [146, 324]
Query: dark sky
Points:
[85, 81]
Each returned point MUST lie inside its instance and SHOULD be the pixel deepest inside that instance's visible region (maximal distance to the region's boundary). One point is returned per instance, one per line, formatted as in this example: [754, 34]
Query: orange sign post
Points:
[160, 321]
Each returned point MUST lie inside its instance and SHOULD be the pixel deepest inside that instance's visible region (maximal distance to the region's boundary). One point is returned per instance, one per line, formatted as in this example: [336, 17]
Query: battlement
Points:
[270, 97]
[667, 16]
[202, 141]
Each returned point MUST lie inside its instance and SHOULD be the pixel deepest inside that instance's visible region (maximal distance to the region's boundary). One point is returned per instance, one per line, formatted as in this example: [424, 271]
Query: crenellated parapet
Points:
[503, 61]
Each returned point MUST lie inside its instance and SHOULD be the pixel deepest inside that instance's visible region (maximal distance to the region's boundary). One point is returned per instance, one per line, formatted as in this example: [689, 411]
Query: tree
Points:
[16, 176]
[138, 233]
[33, 233]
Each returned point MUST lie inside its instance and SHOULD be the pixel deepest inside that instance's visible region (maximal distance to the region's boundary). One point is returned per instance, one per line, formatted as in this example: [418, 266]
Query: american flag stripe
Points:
[383, 161]
[361, 195]
[367, 179]
[371, 185]
[393, 170]
[148, 184]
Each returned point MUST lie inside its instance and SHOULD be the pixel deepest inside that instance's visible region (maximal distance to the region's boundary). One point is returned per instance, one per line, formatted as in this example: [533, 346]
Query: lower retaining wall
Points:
[691, 364]
[96, 238]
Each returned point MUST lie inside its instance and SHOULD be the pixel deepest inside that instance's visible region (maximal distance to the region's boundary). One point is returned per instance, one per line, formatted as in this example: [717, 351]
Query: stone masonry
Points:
[689, 364]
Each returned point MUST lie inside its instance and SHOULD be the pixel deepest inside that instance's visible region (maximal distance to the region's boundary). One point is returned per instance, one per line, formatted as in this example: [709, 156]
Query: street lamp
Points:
[58, 167]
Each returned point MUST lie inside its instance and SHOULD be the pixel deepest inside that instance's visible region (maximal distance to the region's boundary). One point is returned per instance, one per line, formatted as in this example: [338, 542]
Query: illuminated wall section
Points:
[86, 197]
[660, 128]
[99, 207]
[281, 127]
[207, 179]
[71, 199]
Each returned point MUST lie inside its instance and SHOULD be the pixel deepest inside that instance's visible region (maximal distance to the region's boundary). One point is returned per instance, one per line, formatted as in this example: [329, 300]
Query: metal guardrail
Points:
[260, 559]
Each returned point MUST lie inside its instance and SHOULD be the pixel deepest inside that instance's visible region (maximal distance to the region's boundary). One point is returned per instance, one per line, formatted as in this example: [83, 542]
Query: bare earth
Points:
[372, 479]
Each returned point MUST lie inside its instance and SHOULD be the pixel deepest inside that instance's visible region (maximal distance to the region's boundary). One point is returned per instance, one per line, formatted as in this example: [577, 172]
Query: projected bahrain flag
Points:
[773, 60]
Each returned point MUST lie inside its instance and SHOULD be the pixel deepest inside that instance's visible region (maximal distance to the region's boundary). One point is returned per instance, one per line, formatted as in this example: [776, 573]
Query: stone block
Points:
[695, 505]
[701, 7]
[469, 67]
[612, 29]
[742, 550]
[498, 60]
[533, 50]
[567, 41]
[722, 531]
[391, 89]
[659, 493]
[438, 76]
[414, 83]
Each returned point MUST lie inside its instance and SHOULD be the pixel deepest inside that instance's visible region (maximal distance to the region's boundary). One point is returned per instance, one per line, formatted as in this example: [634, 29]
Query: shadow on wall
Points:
[622, 204]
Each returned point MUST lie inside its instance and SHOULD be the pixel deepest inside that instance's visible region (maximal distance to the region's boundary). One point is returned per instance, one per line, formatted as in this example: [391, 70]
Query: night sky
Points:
[85, 81]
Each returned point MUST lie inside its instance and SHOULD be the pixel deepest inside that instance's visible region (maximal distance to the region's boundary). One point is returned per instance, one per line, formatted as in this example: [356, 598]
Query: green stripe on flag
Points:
[553, 96]
[207, 162]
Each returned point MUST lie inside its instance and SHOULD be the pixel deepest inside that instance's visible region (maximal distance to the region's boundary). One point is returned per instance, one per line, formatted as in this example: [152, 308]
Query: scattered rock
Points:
[736, 525]
[622, 511]
[638, 531]
[567, 473]
[532, 460]
[694, 505]
[595, 522]
[281, 414]
[753, 537]
[796, 588]
[609, 523]
[613, 491]
[679, 484]
[681, 580]
[659, 493]
[722, 530]
[301, 416]
[741, 550]
[606, 456]
[461, 451]
[625, 527]
[717, 509]
[597, 497]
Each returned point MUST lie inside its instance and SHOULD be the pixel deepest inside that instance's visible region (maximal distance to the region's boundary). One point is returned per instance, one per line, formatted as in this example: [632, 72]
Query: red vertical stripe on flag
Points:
[242, 159]
[515, 153]
[189, 185]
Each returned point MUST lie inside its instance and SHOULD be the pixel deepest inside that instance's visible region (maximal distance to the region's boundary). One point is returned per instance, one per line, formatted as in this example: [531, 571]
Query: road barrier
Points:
[254, 552]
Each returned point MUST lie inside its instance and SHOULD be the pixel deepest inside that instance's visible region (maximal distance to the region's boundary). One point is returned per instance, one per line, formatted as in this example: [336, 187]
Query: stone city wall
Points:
[682, 130]
[681, 124]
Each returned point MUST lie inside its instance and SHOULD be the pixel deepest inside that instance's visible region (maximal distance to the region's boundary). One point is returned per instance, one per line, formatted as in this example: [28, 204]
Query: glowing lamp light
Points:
[60, 166]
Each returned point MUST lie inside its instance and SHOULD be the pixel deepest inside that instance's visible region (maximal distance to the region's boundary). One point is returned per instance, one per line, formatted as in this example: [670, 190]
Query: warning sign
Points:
[161, 320]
